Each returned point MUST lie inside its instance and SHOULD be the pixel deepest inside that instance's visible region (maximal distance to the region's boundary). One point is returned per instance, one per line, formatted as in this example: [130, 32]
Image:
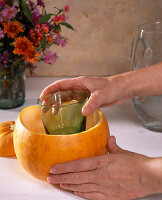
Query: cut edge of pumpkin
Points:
[99, 112]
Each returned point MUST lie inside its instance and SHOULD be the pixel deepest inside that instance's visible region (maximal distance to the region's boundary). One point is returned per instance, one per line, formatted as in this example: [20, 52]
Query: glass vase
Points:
[61, 112]
[146, 50]
[12, 86]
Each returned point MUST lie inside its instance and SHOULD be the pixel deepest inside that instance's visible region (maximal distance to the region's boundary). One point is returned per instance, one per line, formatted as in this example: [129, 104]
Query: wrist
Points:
[145, 81]
[127, 84]
[136, 83]
[123, 85]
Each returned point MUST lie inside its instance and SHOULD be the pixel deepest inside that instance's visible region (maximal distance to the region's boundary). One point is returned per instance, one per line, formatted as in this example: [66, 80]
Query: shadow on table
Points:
[8, 157]
[121, 113]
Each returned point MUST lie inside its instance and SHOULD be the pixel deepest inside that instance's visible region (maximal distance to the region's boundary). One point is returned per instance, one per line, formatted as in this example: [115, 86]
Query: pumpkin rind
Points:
[37, 153]
[6, 139]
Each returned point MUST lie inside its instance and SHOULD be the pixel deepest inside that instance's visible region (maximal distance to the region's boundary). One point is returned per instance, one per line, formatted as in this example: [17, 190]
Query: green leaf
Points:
[58, 28]
[26, 11]
[44, 18]
[1, 44]
[44, 43]
[67, 25]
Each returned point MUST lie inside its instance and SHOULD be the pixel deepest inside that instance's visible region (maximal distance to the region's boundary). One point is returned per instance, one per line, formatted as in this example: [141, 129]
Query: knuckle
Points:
[62, 178]
[91, 176]
[93, 164]
[78, 188]
[76, 166]
[76, 177]
[82, 188]
[100, 176]
[94, 103]
[71, 187]
[83, 80]
[101, 161]
[57, 82]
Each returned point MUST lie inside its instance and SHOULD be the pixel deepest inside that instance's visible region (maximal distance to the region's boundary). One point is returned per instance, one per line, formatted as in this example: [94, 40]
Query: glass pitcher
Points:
[146, 50]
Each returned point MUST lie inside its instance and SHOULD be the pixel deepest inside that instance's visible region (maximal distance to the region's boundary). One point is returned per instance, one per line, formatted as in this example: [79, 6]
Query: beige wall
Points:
[105, 29]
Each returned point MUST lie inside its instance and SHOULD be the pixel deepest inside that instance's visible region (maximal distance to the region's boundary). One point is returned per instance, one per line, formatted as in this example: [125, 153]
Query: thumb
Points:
[92, 104]
[112, 146]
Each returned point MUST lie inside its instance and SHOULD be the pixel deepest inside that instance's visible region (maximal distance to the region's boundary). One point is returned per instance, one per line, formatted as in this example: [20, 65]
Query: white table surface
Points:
[17, 184]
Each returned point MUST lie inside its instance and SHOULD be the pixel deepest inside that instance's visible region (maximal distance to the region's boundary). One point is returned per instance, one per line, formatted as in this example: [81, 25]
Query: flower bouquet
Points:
[26, 33]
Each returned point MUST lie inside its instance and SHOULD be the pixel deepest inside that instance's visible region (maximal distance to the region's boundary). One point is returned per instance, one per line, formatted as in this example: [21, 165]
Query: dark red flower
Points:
[66, 8]
[62, 17]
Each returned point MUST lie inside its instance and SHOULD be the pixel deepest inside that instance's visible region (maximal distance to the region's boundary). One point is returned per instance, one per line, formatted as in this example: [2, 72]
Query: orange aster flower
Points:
[32, 56]
[12, 28]
[22, 46]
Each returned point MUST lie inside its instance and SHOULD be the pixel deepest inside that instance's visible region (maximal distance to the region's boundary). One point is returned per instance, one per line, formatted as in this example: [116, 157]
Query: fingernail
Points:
[85, 111]
[63, 185]
[49, 179]
[53, 170]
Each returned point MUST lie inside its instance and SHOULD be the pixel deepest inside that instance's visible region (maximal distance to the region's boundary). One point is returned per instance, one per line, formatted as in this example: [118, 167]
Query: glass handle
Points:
[147, 50]
[131, 48]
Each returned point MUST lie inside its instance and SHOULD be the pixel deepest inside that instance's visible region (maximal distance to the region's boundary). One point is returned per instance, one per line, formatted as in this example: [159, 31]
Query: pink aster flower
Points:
[36, 16]
[59, 40]
[49, 57]
[1, 33]
[9, 12]
[41, 3]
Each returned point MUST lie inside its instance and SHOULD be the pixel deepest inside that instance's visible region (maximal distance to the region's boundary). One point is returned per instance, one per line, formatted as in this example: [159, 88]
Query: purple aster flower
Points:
[36, 16]
[64, 42]
[6, 56]
[1, 33]
[9, 12]
[54, 58]
[59, 40]
[2, 3]
[49, 57]
[32, 5]
[41, 3]
[1, 58]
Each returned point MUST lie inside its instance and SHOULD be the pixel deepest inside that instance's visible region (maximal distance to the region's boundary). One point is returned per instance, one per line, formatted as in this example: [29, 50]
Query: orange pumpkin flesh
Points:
[38, 152]
[6, 139]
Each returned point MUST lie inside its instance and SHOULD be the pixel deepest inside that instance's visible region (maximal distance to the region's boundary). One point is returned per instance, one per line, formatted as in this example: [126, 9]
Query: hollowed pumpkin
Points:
[38, 152]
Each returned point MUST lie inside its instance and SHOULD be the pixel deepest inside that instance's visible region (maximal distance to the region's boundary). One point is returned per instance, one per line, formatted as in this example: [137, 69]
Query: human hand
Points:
[120, 175]
[103, 91]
